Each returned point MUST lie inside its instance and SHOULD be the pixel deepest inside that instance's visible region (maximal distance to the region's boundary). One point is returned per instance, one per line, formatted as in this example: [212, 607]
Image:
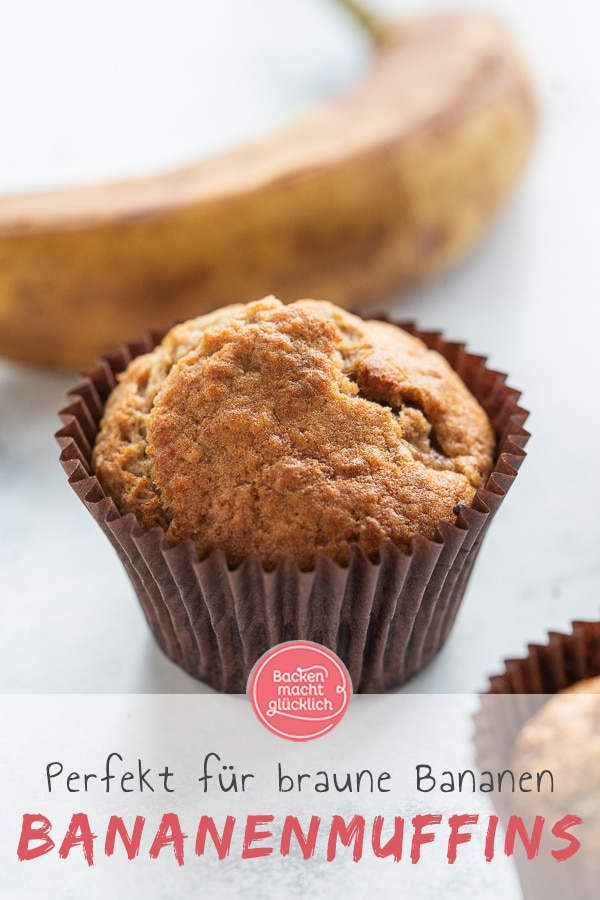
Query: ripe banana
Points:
[354, 202]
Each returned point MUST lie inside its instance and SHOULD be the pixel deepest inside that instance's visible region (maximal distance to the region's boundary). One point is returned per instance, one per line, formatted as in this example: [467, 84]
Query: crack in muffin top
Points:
[291, 429]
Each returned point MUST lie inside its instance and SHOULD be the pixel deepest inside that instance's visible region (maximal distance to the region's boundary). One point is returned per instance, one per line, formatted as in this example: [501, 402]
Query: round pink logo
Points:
[299, 690]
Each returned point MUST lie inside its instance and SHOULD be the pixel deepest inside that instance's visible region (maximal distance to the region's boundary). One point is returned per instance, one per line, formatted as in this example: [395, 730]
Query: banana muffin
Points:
[272, 473]
[299, 429]
[564, 738]
[541, 720]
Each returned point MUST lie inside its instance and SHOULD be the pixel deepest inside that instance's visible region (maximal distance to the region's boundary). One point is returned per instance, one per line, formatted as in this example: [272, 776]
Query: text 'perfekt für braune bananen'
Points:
[218, 775]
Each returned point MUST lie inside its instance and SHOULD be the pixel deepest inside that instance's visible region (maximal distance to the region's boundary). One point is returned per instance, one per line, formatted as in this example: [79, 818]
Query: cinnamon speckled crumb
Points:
[298, 429]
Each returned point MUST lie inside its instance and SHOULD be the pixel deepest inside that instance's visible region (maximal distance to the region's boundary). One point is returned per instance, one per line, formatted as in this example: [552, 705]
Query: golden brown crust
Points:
[298, 429]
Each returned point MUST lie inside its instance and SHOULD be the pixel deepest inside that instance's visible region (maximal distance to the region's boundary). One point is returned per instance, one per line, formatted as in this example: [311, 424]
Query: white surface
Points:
[89, 91]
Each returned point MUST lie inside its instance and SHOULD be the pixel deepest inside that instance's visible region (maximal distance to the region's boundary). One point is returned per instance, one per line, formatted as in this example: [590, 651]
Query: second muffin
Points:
[542, 715]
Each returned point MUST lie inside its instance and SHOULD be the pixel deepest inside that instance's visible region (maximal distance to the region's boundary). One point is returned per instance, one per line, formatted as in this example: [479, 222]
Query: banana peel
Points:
[368, 194]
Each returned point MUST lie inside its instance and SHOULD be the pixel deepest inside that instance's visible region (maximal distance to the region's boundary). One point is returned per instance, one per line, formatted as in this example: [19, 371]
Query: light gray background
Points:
[90, 91]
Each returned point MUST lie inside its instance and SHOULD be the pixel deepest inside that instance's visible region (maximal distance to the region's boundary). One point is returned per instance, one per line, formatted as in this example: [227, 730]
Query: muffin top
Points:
[291, 429]
[564, 738]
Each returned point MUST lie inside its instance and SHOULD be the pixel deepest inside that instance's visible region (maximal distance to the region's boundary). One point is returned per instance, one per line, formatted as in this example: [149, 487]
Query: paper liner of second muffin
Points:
[386, 620]
[514, 697]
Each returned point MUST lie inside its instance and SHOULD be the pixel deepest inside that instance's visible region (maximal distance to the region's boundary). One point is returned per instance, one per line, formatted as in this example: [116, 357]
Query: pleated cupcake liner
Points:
[386, 620]
[514, 697]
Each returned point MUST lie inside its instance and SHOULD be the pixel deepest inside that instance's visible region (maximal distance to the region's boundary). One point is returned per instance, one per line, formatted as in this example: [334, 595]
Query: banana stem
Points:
[377, 28]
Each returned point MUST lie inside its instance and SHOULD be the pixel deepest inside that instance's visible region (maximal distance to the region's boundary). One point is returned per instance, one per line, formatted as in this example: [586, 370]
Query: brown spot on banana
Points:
[364, 196]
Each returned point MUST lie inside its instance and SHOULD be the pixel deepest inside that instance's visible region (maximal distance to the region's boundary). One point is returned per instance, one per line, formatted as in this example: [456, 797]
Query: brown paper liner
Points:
[513, 698]
[385, 620]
